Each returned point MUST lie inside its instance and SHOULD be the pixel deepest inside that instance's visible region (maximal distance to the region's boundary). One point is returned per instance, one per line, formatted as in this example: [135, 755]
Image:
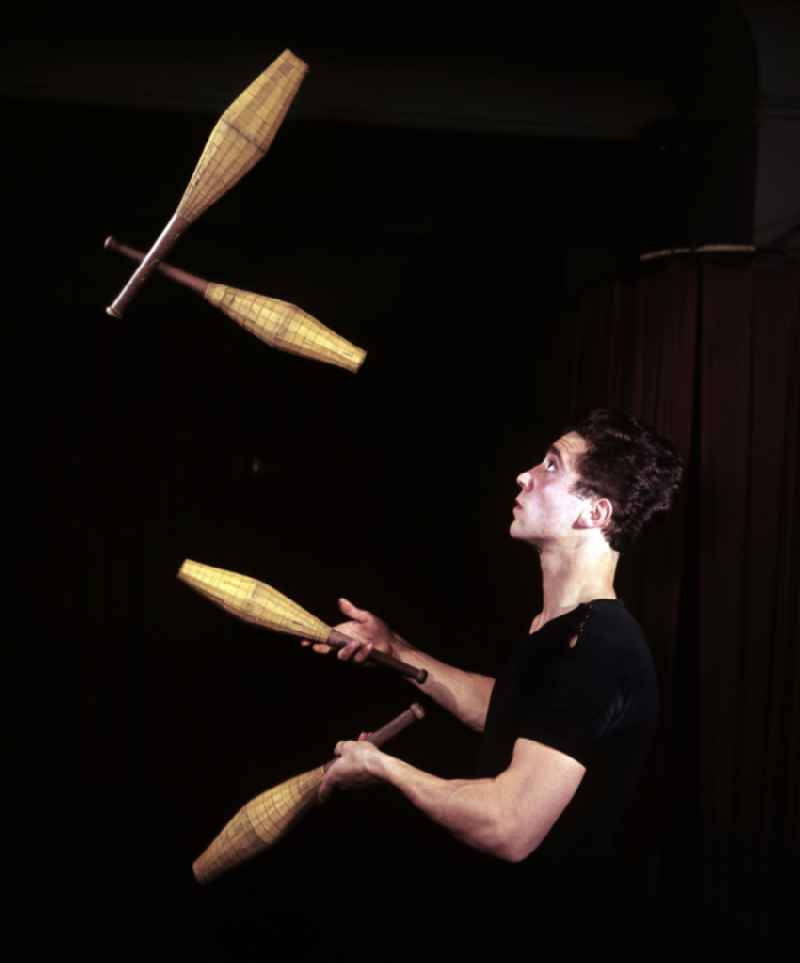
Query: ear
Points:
[601, 513]
[596, 514]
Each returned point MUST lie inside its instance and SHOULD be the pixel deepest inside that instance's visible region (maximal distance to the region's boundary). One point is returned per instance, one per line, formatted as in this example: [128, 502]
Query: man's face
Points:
[546, 508]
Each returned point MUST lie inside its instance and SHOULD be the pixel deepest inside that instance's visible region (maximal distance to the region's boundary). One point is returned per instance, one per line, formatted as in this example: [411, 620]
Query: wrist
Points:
[376, 764]
[399, 644]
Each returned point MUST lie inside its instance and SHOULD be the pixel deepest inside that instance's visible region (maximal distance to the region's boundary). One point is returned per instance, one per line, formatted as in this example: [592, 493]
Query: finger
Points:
[364, 736]
[316, 646]
[352, 611]
[349, 650]
[362, 653]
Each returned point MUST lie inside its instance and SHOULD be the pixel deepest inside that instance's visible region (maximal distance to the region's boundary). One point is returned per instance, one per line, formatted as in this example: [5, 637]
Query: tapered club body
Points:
[264, 820]
[239, 139]
[261, 604]
[277, 323]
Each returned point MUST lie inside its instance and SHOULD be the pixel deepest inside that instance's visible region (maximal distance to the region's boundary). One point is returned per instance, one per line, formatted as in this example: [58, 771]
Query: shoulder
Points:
[613, 655]
[600, 655]
[606, 625]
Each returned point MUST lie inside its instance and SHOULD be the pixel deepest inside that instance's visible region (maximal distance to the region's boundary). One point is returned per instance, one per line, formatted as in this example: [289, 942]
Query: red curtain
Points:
[706, 350]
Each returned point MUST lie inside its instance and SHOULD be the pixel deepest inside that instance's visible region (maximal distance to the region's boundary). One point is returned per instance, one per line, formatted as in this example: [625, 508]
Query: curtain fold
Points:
[706, 350]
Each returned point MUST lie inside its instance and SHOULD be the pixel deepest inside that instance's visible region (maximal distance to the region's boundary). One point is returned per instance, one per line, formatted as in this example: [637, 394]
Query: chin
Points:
[516, 533]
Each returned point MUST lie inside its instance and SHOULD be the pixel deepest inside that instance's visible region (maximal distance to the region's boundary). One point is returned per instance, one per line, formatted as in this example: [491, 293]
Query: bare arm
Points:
[507, 816]
[465, 694]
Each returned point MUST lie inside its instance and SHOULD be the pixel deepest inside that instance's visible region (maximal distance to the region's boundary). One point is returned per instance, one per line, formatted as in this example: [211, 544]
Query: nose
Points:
[524, 480]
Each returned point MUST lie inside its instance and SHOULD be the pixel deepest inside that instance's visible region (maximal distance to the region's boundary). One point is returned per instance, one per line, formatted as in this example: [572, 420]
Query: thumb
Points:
[347, 608]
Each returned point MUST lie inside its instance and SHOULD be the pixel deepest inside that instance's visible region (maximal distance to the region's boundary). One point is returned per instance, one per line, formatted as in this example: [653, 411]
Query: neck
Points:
[573, 573]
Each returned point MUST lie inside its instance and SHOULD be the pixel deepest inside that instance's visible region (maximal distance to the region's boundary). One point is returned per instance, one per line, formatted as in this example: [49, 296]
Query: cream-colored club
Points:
[253, 601]
[239, 139]
[264, 820]
[259, 824]
[276, 323]
[243, 134]
[285, 326]
[261, 604]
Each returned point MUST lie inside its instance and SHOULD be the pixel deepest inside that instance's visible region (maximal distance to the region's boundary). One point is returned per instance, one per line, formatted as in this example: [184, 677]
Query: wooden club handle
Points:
[413, 713]
[396, 726]
[177, 274]
[338, 640]
[166, 241]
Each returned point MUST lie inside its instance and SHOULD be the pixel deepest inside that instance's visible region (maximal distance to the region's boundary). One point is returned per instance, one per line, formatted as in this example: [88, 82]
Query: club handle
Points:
[396, 726]
[381, 736]
[338, 640]
[176, 226]
[177, 274]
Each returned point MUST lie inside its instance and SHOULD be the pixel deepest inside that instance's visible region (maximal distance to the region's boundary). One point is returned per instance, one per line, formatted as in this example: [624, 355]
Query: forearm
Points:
[472, 810]
[507, 816]
[465, 694]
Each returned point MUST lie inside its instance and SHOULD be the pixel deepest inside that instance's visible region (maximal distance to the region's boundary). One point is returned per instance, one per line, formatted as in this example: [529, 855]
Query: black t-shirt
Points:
[595, 700]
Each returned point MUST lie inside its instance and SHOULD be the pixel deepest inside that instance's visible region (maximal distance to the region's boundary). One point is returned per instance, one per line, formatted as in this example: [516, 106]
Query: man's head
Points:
[632, 466]
[603, 478]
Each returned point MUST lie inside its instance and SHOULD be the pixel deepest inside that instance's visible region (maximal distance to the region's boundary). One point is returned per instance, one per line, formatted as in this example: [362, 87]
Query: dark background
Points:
[452, 256]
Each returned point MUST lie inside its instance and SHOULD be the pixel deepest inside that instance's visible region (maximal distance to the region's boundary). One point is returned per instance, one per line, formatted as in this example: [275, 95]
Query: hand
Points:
[356, 766]
[367, 631]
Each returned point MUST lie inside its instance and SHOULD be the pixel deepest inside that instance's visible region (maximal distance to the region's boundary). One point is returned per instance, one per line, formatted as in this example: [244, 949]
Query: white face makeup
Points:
[547, 507]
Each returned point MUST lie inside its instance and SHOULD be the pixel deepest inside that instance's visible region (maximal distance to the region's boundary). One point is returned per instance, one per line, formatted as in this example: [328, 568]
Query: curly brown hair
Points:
[630, 464]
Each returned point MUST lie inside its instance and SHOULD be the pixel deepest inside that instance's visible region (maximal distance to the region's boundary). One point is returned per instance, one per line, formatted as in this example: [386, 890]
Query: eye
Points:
[550, 465]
